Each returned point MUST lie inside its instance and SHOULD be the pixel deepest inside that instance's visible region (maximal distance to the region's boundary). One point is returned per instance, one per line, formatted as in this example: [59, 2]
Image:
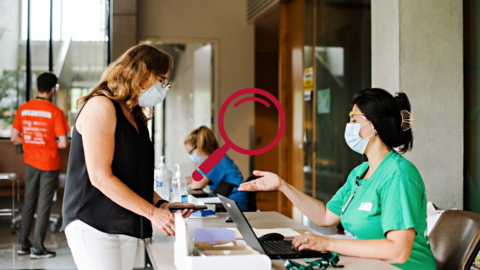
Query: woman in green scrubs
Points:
[383, 203]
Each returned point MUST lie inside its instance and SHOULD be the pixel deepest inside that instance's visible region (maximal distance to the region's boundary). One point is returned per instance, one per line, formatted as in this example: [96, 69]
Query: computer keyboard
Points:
[278, 247]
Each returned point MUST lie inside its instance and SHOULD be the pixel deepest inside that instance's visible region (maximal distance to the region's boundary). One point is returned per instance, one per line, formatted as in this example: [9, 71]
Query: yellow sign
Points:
[308, 79]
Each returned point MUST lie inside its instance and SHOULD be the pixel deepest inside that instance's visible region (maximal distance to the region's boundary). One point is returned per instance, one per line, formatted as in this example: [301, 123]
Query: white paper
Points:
[206, 200]
[213, 235]
[205, 217]
[229, 244]
[432, 216]
[181, 234]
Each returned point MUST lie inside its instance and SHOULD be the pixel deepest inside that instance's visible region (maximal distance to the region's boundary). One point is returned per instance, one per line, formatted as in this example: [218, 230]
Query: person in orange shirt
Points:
[37, 125]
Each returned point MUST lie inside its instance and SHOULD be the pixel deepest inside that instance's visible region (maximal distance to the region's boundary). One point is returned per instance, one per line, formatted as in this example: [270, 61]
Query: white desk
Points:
[160, 249]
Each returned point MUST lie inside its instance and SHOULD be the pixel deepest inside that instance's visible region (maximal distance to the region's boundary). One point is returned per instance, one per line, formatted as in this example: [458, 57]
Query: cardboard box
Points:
[189, 255]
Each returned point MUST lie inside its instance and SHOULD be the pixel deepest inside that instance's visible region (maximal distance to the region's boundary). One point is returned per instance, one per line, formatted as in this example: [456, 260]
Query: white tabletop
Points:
[160, 249]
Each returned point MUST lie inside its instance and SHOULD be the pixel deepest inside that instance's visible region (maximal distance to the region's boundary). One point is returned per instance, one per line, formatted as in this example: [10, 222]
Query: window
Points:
[82, 20]
[471, 60]
[75, 50]
[337, 65]
[12, 64]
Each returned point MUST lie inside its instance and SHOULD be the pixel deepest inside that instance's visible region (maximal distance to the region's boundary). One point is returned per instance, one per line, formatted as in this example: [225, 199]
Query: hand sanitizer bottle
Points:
[179, 187]
[162, 180]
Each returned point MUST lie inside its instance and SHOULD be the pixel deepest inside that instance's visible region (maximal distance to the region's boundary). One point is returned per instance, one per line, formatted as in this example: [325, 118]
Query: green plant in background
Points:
[8, 98]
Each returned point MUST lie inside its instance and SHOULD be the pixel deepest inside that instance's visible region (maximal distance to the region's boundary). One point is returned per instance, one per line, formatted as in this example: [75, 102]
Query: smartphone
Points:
[175, 208]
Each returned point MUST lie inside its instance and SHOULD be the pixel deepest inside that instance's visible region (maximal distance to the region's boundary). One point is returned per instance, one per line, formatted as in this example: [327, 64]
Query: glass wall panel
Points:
[78, 57]
[341, 67]
[308, 96]
[39, 38]
[80, 52]
[471, 24]
[12, 64]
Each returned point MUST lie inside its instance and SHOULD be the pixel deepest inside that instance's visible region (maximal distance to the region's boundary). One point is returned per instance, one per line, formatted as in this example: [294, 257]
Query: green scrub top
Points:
[393, 198]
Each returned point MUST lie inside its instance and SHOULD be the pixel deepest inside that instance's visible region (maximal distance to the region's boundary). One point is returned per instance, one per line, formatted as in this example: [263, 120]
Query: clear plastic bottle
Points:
[162, 180]
[179, 187]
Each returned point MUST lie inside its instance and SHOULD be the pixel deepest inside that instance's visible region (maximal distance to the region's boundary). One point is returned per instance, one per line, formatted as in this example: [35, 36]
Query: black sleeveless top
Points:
[133, 164]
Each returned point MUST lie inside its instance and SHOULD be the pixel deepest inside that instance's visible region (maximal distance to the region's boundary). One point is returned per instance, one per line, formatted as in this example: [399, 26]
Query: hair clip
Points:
[407, 120]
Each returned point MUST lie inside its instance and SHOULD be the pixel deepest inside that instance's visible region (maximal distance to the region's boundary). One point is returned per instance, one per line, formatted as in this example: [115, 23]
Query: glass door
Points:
[340, 57]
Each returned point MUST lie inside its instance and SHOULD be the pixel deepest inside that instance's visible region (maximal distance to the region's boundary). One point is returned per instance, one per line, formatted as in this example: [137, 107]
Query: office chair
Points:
[455, 239]
[224, 189]
[252, 196]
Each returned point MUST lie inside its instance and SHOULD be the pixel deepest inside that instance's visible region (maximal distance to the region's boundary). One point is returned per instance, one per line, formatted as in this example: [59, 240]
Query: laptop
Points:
[275, 249]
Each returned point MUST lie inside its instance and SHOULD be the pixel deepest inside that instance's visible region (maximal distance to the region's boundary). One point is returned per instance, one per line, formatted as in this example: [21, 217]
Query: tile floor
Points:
[53, 241]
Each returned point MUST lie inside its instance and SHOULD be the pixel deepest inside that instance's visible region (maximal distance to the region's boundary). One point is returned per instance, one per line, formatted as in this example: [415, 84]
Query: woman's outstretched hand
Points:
[267, 182]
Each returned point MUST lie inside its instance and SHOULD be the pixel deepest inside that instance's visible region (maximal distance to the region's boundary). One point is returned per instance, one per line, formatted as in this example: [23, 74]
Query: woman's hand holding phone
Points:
[164, 219]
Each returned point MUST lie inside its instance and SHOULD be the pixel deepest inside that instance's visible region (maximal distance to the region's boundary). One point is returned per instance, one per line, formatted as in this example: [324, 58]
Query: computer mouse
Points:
[271, 236]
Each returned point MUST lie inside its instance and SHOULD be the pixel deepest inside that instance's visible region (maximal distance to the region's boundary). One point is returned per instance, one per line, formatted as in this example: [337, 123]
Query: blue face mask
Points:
[353, 139]
[196, 158]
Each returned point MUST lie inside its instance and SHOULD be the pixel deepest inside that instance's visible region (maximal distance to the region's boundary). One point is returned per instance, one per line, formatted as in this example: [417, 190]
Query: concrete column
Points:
[124, 32]
[417, 48]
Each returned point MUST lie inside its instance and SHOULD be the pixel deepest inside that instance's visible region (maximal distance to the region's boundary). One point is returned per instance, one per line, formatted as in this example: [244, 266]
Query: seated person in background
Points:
[383, 203]
[200, 144]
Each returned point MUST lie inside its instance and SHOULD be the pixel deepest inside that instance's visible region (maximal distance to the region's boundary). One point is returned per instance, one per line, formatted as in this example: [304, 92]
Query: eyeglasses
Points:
[354, 116]
[355, 113]
[165, 83]
[191, 151]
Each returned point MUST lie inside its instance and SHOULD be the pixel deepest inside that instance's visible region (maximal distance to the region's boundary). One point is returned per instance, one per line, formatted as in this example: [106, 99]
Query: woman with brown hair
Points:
[200, 144]
[109, 202]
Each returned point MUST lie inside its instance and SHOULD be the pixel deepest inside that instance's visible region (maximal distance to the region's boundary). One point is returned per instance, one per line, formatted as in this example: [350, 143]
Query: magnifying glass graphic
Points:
[219, 153]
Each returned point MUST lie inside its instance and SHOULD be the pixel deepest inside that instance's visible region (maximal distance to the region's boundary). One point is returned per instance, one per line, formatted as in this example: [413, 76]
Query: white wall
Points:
[224, 23]
[417, 48]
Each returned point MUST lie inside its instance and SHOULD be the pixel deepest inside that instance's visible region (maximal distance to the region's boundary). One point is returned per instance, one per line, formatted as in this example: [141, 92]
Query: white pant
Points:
[93, 249]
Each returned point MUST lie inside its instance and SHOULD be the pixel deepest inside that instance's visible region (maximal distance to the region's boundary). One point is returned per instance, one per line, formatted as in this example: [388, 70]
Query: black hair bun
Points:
[402, 101]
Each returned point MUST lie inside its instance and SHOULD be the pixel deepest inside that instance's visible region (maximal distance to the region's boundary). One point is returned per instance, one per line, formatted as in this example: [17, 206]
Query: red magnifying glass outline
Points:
[219, 153]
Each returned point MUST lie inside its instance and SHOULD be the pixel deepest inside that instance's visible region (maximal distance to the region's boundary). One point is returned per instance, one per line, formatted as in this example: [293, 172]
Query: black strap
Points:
[160, 202]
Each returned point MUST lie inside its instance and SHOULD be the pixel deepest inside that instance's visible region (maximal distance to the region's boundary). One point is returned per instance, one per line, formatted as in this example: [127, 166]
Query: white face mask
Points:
[353, 139]
[153, 95]
[196, 158]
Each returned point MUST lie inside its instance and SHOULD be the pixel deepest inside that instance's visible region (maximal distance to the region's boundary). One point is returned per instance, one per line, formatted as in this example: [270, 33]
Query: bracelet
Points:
[160, 202]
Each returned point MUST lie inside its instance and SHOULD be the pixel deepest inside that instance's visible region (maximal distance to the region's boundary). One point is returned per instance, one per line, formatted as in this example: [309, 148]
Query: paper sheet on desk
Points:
[213, 235]
[286, 232]
[205, 217]
[205, 200]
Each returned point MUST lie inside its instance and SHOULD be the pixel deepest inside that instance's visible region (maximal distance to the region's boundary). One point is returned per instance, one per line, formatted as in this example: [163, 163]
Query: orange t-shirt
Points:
[40, 122]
